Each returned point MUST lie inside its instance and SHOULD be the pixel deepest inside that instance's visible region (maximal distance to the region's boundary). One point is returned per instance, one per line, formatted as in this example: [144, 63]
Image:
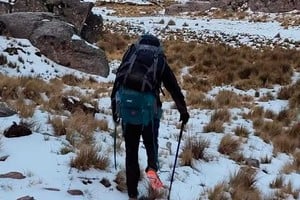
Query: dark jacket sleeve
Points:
[170, 83]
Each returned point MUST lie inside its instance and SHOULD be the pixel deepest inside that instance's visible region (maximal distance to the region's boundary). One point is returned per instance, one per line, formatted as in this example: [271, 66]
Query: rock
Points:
[52, 189]
[26, 198]
[72, 104]
[17, 131]
[189, 6]
[13, 175]
[3, 158]
[270, 6]
[5, 110]
[274, 6]
[75, 192]
[57, 40]
[252, 162]
[105, 182]
[76, 12]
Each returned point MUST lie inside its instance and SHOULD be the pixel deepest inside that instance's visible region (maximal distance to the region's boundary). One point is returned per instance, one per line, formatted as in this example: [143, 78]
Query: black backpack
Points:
[139, 85]
[140, 71]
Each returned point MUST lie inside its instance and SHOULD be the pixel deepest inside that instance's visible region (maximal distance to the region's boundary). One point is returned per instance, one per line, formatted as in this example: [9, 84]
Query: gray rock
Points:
[87, 24]
[54, 38]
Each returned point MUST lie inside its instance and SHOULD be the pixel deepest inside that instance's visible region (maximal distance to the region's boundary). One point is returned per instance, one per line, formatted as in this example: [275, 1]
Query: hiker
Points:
[143, 70]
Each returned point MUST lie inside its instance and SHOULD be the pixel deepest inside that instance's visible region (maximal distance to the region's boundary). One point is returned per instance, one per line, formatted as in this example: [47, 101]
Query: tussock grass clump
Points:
[193, 149]
[286, 191]
[59, 125]
[87, 157]
[268, 130]
[54, 105]
[120, 180]
[70, 79]
[229, 145]
[33, 88]
[214, 126]
[278, 182]
[25, 109]
[295, 165]
[219, 192]
[80, 128]
[10, 87]
[243, 184]
[285, 92]
[241, 131]
[115, 44]
[256, 112]
[285, 116]
[285, 144]
[218, 118]
[228, 99]
[197, 99]
[221, 114]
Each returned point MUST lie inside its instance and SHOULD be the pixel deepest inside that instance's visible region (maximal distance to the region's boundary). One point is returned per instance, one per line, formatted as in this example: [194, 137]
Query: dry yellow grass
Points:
[214, 126]
[229, 145]
[80, 128]
[59, 125]
[24, 109]
[193, 148]
[243, 185]
[88, 157]
[241, 131]
[228, 99]
[120, 180]
[9, 87]
[219, 192]
[293, 166]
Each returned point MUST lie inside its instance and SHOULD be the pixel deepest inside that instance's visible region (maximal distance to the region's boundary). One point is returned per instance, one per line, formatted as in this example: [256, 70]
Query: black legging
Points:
[132, 135]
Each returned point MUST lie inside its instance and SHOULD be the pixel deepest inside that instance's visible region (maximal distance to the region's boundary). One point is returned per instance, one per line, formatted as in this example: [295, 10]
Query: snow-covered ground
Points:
[37, 156]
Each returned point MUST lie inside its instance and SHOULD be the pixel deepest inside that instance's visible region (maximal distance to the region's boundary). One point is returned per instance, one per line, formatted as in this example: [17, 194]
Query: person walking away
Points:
[135, 102]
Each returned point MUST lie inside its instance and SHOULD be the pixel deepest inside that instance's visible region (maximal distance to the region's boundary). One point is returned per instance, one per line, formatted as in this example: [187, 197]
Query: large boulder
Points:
[86, 23]
[56, 39]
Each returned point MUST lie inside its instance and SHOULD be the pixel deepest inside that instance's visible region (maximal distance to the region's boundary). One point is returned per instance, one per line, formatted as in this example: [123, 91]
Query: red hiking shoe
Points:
[155, 182]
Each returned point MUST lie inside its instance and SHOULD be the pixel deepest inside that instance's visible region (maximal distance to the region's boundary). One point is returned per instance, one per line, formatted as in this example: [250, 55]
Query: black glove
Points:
[184, 117]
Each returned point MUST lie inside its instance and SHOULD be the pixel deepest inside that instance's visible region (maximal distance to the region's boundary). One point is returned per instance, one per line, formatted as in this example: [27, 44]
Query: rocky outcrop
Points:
[60, 29]
[190, 6]
[270, 6]
[274, 6]
[76, 12]
[56, 39]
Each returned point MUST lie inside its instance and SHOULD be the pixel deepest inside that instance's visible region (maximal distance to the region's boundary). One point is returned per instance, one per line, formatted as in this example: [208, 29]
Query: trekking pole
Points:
[172, 176]
[115, 145]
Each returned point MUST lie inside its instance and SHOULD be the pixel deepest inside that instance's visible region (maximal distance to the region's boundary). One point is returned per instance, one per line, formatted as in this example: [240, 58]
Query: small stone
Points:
[3, 158]
[75, 192]
[52, 189]
[26, 198]
[105, 182]
[13, 175]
